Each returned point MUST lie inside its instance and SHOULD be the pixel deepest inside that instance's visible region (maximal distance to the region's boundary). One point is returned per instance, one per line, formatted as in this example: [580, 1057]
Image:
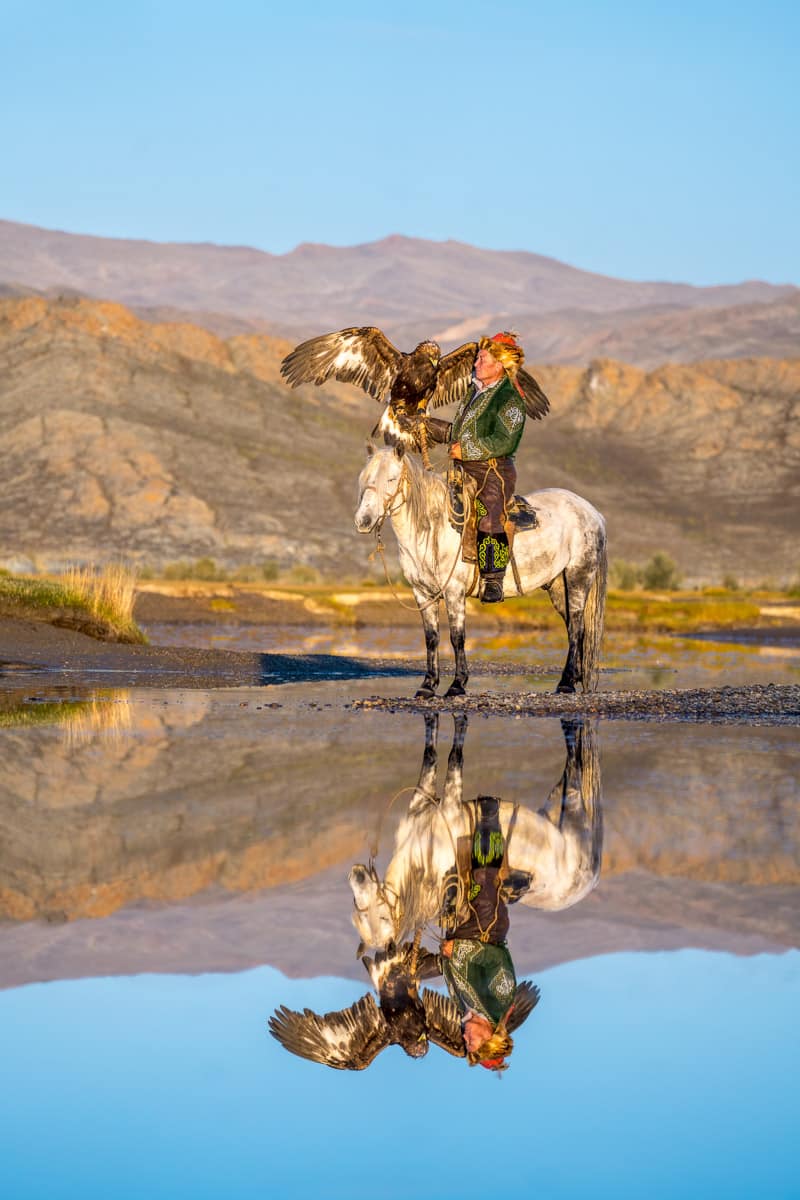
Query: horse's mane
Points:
[427, 498]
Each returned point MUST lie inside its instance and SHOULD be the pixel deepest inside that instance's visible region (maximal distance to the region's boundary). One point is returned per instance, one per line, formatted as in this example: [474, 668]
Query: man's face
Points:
[476, 1031]
[487, 368]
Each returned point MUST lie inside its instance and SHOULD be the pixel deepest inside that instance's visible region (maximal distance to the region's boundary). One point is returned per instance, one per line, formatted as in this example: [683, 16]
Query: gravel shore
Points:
[759, 704]
[60, 656]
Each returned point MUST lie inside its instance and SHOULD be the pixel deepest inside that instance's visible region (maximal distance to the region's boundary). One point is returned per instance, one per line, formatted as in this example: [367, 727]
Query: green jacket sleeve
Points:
[490, 425]
[500, 426]
[480, 977]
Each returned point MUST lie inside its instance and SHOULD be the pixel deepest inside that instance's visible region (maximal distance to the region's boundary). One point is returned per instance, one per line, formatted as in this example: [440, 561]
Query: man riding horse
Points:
[484, 436]
[476, 962]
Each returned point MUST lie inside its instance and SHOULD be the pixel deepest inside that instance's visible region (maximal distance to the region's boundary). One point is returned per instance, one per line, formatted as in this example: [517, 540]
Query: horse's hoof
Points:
[424, 693]
[566, 689]
[455, 689]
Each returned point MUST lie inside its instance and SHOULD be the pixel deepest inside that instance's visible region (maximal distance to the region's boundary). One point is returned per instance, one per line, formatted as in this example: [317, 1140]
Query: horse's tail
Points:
[594, 615]
[591, 790]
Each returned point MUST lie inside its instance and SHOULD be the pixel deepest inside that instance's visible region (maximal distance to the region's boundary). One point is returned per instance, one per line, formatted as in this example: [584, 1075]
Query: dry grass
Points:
[102, 598]
[107, 716]
[107, 594]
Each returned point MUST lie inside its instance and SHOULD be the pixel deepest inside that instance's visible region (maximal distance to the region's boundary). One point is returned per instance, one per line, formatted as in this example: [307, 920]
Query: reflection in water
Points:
[107, 714]
[459, 865]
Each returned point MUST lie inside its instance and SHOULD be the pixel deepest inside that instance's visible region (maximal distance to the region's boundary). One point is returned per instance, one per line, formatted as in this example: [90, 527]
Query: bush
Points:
[730, 583]
[270, 570]
[661, 573]
[303, 574]
[204, 569]
[624, 575]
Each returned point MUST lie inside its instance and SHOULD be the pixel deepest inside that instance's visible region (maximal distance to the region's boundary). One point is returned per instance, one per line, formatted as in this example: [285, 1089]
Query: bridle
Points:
[388, 511]
[382, 891]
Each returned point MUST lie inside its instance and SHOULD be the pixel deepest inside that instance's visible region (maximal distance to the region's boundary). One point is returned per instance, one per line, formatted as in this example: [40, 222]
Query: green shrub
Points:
[661, 573]
[303, 574]
[624, 575]
[204, 569]
[270, 570]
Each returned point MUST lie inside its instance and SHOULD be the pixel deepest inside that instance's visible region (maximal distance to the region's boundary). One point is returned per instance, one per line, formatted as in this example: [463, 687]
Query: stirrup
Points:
[492, 591]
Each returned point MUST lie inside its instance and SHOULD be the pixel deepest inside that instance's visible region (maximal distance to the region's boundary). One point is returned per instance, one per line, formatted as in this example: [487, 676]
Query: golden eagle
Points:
[350, 1039]
[413, 382]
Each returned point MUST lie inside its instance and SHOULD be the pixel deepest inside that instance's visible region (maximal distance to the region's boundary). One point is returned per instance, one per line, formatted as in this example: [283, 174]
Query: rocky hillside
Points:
[412, 288]
[163, 442]
[149, 810]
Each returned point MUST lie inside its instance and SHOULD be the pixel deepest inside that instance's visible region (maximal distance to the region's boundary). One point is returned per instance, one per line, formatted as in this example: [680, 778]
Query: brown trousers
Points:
[496, 480]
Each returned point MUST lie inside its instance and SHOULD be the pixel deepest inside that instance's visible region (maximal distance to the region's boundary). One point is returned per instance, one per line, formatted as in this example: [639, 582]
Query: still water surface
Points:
[173, 867]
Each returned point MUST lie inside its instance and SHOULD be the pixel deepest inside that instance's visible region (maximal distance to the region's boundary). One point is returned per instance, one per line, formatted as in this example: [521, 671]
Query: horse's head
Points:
[373, 916]
[380, 487]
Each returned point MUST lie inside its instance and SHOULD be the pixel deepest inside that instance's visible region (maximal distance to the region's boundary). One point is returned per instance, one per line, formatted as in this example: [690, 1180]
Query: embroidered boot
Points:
[493, 555]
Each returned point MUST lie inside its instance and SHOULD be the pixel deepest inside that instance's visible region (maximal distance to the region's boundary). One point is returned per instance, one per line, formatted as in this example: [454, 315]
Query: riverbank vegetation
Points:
[102, 603]
[98, 602]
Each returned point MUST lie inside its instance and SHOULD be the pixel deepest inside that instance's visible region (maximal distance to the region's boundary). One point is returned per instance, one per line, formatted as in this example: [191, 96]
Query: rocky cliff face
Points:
[120, 437]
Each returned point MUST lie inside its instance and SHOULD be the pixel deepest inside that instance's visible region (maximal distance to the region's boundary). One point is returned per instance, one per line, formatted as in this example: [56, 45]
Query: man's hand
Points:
[455, 451]
[447, 948]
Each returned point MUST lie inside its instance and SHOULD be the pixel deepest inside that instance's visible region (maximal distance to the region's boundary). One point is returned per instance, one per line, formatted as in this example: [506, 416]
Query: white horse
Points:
[565, 554]
[553, 855]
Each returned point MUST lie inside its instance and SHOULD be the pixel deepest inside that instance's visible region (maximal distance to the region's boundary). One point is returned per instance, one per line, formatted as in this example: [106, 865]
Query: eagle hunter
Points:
[349, 1040]
[414, 382]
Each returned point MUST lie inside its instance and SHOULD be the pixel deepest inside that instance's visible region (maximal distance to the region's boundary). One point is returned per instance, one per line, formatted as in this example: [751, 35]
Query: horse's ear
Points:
[370, 449]
[361, 948]
[399, 449]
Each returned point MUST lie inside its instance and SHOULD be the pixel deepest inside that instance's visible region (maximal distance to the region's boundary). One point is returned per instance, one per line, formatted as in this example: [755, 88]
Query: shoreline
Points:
[33, 653]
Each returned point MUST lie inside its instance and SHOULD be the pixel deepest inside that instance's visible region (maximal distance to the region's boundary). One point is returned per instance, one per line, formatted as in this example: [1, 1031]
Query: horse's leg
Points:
[425, 790]
[562, 795]
[558, 592]
[430, 623]
[574, 805]
[456, 606]
[568, 594]
[454, 779]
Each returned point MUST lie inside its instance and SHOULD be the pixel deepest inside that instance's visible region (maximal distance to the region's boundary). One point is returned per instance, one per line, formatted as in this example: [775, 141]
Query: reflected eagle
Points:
[351, 1039]
[413, 382]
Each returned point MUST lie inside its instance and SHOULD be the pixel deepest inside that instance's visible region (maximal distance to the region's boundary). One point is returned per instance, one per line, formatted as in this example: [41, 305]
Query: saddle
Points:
[487, 843]
[462, 489]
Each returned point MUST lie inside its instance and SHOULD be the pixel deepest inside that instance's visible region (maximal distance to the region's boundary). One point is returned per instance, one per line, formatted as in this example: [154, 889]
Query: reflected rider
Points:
[476, 962]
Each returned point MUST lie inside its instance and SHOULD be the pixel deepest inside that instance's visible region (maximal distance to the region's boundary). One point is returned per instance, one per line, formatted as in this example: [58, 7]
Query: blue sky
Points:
[638, 1075]
[642, 140]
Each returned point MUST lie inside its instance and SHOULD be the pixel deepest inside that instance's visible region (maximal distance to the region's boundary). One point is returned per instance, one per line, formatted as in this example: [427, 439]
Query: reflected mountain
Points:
[460, 864]
[213, 830]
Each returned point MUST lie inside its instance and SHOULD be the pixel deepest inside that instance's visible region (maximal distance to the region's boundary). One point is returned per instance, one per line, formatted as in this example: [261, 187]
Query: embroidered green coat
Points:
[480, 976]
[490, 424]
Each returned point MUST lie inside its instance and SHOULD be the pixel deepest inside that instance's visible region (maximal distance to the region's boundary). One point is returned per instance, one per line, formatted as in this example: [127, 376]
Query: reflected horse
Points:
[565, 554]
[553, 855]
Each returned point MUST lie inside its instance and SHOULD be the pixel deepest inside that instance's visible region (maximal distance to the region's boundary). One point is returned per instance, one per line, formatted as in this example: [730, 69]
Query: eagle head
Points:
[431, 350]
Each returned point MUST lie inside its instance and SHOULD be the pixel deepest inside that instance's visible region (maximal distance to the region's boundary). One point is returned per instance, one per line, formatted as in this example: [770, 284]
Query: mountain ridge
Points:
[119, 437]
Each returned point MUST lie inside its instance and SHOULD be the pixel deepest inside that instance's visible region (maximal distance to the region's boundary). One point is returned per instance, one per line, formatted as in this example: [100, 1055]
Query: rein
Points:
[380, 548]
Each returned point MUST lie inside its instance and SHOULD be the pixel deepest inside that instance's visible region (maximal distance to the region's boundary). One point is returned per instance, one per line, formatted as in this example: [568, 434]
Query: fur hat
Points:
[506, 349]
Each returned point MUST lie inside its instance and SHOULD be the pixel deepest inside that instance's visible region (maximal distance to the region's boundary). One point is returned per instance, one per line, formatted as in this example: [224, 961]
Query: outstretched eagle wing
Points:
[536, 403]
[526, 997]
[348, 1040]
[454, 375]
[443, 1022]
[364, 357]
